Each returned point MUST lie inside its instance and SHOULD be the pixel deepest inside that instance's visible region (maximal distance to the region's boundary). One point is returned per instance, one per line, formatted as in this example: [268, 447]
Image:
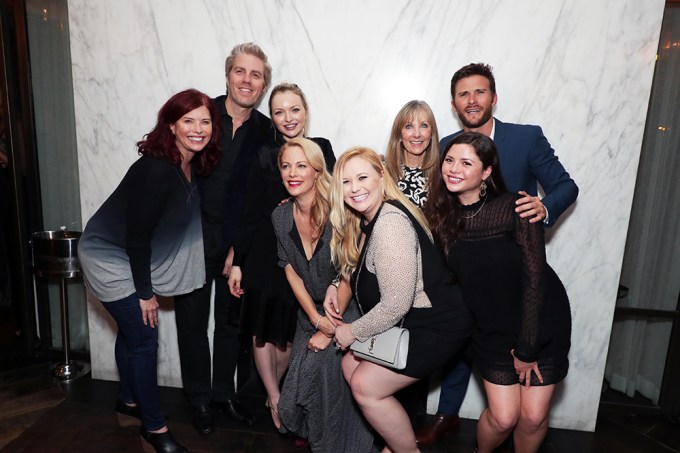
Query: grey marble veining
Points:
[580, 69]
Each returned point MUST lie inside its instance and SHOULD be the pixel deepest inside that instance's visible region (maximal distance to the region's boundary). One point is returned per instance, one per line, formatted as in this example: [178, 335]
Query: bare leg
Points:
[373, 387]
[282, 360]
[533, 419]
[499, 419]
[271, 362]
[349, 364]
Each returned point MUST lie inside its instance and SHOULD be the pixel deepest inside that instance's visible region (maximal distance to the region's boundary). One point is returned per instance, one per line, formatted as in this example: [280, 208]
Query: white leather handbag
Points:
[389, 348]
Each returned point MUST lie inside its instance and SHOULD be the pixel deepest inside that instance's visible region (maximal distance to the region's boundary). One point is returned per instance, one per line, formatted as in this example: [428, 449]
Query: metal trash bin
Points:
[55, 255]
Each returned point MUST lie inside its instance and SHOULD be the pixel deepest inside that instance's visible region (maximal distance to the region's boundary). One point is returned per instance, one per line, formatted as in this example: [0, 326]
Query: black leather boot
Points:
[439, 425]
[162, 442]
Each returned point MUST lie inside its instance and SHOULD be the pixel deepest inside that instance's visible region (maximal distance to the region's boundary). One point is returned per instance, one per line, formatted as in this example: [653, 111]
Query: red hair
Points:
[160, 142]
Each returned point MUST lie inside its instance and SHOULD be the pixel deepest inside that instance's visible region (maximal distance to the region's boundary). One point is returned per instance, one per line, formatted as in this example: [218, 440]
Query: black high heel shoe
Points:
[162, 442]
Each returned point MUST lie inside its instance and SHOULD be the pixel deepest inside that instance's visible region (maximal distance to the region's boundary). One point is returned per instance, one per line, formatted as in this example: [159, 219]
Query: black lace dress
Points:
[517, 299]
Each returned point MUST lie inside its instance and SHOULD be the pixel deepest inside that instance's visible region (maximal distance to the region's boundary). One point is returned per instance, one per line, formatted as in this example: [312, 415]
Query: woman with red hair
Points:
[146, 240]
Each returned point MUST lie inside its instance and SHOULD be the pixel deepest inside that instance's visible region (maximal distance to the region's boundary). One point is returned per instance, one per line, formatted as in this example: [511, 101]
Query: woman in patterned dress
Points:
[413, 150]
[316, 402]
[269, 309]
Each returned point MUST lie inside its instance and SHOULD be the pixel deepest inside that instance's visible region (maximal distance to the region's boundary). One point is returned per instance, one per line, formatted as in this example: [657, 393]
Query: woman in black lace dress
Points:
[521, 309]
[413, 151]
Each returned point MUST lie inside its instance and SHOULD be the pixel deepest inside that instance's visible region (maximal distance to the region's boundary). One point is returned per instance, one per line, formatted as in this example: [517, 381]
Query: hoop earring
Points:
[482, 189]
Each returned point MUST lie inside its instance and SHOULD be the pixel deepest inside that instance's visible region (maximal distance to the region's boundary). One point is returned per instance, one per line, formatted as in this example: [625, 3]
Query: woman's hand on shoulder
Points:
[524, 370]
[149, 311]
[234, 282]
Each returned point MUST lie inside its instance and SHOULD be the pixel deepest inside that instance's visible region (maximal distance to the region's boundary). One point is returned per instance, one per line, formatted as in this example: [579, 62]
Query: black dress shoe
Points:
[235, 410]
[130, 411]
[203, 420]
[162, 442]
[438, 426]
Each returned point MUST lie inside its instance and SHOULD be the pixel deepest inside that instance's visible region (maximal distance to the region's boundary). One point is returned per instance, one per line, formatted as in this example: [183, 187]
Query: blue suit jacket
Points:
[526, 159]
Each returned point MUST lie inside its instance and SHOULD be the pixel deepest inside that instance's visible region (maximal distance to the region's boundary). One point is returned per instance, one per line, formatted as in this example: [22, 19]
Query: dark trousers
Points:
[137, 359]
[455, 379]
[192, 312]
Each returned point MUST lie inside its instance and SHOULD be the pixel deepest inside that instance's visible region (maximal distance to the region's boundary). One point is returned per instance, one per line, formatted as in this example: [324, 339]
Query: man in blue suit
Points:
[526, 160]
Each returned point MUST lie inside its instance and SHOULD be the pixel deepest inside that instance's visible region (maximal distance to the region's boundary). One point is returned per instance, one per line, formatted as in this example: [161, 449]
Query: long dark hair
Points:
[160, 142]
[442, 208]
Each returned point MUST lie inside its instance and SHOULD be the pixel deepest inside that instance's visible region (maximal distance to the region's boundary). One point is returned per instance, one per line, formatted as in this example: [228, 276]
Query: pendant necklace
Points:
[477, 211]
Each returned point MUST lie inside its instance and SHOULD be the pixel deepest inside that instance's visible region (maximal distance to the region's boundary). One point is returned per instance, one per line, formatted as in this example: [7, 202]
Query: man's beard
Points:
[476, 124]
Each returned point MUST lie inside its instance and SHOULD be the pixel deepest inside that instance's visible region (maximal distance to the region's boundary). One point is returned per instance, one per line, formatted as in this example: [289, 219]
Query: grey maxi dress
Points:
[316, 403]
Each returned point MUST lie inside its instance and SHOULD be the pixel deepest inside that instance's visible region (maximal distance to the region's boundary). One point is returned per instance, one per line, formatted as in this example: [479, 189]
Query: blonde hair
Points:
[249, 48]
[321, 205]
[394, 155]
[346, 222]
[287, 86]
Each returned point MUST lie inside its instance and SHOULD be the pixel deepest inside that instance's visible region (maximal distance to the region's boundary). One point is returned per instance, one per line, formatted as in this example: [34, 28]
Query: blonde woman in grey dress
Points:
[316, 402]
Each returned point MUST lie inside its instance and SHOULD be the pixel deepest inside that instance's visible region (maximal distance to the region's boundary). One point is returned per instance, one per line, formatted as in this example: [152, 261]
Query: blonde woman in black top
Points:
[383, 248]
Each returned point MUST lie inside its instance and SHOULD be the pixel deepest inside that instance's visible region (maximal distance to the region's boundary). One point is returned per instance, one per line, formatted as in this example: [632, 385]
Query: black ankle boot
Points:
[130, 411]
[162, 442]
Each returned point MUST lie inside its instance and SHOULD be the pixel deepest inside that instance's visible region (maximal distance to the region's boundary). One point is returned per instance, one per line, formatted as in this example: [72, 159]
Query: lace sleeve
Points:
[529, 237]
[392, 256]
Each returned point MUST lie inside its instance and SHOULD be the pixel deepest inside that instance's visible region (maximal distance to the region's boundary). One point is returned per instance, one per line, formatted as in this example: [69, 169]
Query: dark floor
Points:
[79, 417]
[39, 414]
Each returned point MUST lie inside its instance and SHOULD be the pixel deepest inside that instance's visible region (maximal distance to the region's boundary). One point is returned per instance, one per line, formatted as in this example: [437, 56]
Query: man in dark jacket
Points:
[244, 130]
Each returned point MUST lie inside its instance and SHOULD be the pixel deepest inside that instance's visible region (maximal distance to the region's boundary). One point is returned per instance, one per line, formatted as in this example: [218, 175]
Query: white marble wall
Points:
[581, 69]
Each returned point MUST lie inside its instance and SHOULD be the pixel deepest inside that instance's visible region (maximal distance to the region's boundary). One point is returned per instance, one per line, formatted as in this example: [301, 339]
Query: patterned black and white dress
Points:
[414, 185]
